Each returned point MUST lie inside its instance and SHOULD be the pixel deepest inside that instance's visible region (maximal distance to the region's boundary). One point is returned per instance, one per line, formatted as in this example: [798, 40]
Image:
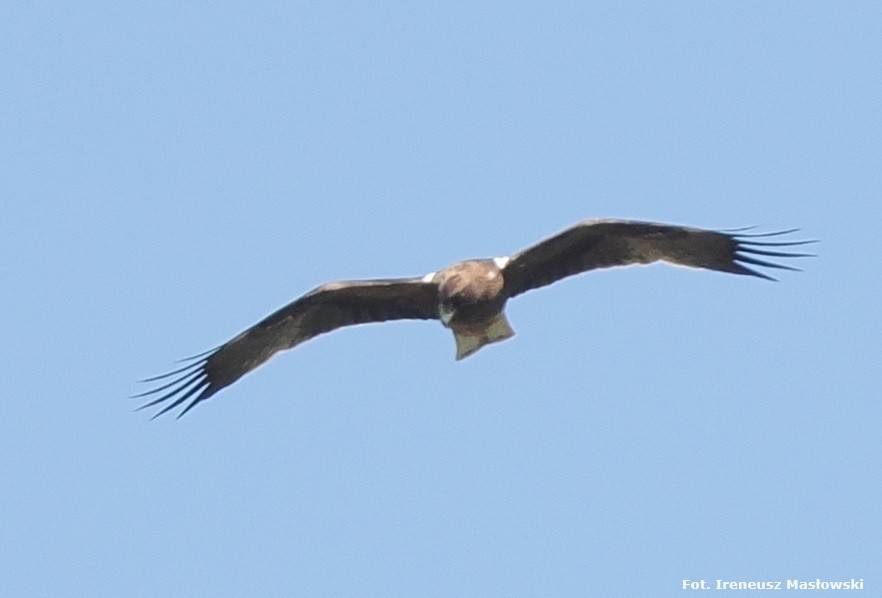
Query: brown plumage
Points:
[468, 297]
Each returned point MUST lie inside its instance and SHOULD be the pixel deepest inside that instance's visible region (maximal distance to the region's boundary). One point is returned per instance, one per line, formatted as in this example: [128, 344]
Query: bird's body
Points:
[471, 303]
[468, 297]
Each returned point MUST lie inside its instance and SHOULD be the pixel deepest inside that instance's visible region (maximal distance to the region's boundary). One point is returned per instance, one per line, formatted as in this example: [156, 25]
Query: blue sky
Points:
[173, 172]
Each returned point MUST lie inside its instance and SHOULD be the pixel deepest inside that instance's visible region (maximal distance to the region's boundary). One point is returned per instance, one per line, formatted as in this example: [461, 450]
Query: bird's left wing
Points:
[605, 243]
[328, 307]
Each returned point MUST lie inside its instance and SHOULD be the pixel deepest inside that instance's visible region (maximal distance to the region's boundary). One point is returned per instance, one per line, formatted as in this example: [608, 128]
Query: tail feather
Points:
[470, 340]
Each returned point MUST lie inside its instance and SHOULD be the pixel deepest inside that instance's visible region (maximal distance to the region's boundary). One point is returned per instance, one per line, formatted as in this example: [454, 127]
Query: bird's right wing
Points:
[328, 307]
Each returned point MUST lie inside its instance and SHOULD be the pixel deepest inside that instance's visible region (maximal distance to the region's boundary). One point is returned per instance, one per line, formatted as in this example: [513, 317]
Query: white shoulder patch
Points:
[428, 277]
[501, 262]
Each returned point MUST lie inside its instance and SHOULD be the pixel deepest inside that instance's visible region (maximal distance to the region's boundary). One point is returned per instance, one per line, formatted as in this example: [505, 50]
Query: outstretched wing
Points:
[606, 243]
[323, 309]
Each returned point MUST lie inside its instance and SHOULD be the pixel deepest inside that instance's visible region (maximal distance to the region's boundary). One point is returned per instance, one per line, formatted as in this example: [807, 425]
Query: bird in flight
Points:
[468, 297]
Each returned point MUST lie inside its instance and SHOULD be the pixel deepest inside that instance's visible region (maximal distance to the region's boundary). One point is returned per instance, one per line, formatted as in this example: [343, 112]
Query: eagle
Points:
[468, 297]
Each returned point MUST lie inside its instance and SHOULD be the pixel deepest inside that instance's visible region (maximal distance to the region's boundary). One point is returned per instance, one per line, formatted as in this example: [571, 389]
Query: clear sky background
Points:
[170, 173]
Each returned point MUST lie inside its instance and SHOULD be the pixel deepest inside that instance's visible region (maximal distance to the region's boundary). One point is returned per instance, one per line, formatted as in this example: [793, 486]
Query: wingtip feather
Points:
[747, 247]
[191, 379]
